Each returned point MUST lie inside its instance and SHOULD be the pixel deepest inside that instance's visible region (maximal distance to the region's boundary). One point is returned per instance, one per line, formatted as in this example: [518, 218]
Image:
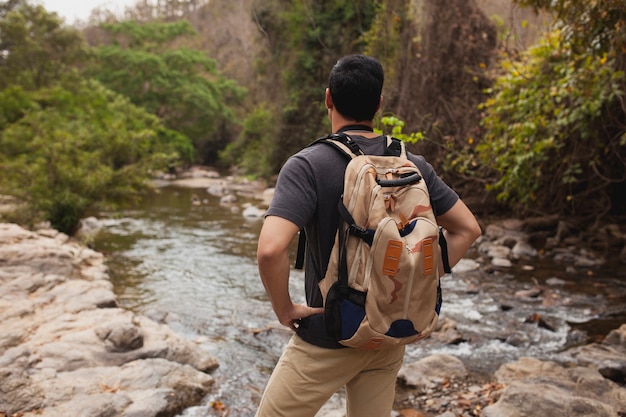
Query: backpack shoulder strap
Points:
[395, 147]
[347, 147]
[343, 143]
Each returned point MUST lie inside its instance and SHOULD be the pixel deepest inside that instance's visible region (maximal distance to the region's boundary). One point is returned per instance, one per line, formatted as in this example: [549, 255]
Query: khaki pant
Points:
[306, 376]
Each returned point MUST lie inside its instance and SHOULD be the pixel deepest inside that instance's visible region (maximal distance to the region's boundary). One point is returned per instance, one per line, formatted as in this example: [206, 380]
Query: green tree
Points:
[65, 150]
[36, 50]
[555, 138]
[67, 143]
[252, 152]
[150, 64]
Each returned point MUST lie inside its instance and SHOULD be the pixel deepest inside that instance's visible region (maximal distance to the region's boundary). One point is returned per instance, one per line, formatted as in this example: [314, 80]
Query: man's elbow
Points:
[265, 256]
[474, 231]
[268, 254]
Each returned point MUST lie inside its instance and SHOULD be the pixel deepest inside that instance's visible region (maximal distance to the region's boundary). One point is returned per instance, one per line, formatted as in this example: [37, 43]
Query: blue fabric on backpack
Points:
[401, 328]
[351, 317]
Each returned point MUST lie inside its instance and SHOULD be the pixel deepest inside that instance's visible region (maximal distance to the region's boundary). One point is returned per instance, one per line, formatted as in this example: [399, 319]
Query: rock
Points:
[555, 282]
[616, 337]
[533, 292]
[121, 337]
[267, 196]
[498, 251]
[610, 361]
[465, 265]
[522, 399]
[535, 387]
[608, 357]
[501, 262]
[432, 371]
[228, 199]
[66, 349]
[252, 212]
[523, 249]
[88, 228]
[448, 337]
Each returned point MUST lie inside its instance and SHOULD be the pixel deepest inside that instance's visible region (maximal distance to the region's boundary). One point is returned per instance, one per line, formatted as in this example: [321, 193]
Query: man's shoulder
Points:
[316, 153]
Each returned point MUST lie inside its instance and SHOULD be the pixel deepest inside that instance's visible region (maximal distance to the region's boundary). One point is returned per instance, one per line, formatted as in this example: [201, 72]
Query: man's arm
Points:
[460, 229]
[274, 267]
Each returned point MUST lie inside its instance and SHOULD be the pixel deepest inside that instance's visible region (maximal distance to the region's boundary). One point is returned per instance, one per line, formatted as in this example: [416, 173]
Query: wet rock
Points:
[228, 199]
[608, 357]
[465, 265]
[555, 282]
[541, 321]
[530, 293]
[218, 189]
[66, 349]
[523, 249]
[501, 262]
[498, 251]
[252, 212]
[616, 337]
[447, 333]
[518, 339]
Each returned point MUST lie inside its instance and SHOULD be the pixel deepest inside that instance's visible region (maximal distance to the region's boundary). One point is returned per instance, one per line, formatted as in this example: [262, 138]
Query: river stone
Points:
[501, 262]
[465, 265]
[521, 399]
[616, 337]
[432, 371]
[548, 389]
[608, 357]
[523, 249]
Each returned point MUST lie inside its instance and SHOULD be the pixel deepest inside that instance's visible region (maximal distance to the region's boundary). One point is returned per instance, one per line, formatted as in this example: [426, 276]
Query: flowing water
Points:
[193, 266]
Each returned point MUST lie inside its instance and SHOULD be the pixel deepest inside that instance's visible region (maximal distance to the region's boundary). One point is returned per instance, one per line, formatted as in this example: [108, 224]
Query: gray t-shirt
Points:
[307, 192]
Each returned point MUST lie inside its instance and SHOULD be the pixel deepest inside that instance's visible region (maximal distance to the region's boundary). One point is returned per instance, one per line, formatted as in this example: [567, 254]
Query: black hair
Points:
[356, 84]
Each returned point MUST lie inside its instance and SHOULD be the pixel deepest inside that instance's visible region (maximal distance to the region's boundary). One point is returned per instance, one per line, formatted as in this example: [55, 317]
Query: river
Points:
[193, 266]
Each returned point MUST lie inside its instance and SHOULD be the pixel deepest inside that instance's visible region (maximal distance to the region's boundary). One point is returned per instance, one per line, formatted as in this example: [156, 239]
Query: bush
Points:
[64, 150]
[549, 144]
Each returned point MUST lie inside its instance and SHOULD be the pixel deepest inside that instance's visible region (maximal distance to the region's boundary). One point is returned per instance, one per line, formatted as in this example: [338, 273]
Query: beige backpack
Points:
[381, 288]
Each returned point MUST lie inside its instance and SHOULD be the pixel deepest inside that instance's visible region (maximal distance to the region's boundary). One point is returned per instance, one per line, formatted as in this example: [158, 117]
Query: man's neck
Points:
[356, 128]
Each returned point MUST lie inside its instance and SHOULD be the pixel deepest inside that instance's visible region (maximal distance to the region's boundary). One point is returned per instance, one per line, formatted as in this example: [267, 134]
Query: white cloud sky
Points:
[72, 10]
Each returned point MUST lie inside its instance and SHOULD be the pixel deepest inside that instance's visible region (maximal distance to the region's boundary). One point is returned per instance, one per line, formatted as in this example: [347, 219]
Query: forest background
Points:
[519, 104]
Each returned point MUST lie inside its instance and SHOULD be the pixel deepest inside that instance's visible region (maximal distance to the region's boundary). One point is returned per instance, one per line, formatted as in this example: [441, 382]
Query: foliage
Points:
[595, 27]
[36, 50]
[66, 149]
[180, 85]
[253, 150]
[393, 126]
[549, 142]
[305, 39]
[68, 143]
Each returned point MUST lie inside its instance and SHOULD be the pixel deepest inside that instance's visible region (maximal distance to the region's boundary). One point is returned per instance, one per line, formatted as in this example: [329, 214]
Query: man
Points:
[314, 366]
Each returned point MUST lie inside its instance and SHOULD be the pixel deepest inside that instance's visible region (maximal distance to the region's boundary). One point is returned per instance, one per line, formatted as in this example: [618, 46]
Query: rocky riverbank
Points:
[582, 384]
[66, 349]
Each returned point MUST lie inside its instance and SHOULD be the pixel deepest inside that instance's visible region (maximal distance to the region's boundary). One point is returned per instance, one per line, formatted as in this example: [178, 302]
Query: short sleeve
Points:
[295, 197]
[441, 195]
